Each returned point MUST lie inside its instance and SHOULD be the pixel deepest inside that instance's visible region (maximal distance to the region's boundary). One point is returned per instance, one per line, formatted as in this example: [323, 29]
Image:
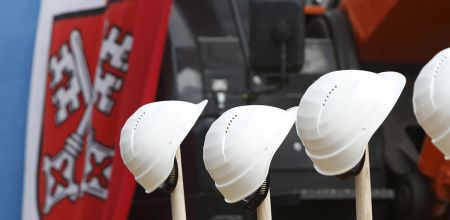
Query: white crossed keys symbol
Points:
[65, 159]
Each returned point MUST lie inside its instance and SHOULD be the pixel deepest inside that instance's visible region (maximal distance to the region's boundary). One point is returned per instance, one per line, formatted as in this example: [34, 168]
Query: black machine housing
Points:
[210, 56]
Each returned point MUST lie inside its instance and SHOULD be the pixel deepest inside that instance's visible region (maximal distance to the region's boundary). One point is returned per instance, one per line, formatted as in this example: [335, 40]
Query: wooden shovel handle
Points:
[264, 210]
[363, 191]
[177, 196]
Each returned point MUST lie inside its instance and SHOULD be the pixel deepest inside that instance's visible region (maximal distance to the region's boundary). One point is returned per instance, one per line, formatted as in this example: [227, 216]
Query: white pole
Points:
[264, 210]
[177, 196]
[363, 191]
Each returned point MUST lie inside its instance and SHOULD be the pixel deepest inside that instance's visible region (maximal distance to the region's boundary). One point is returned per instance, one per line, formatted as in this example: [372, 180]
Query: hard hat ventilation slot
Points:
[230, 122]
[329, 95]
[438, 66]
[171, 181]
[255, 199]
[138, 120]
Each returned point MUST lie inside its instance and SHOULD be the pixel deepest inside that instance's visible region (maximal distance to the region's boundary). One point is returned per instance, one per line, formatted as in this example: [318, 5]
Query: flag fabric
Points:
[95, 62]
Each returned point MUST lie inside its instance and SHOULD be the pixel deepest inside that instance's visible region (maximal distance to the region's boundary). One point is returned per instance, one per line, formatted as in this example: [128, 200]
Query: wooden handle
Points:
[363, 191]
[264, 210]
[177, 196]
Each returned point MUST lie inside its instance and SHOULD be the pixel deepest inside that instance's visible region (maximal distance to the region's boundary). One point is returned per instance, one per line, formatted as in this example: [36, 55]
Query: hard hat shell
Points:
[339, 113]
[431, 100]
[151, 136]
[239, 147]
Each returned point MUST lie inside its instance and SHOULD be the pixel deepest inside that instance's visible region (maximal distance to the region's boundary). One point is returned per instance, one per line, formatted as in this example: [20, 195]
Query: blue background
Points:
[18, 20]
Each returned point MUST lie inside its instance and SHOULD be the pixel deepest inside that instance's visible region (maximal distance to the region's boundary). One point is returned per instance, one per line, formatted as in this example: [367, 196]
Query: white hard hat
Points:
[151, 136]
[239, 147]
[431, 100]
[339, 113]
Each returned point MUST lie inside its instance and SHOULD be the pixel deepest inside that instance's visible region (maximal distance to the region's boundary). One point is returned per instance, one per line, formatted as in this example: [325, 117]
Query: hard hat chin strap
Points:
[354, 171]
[171, 181]
[253, 201]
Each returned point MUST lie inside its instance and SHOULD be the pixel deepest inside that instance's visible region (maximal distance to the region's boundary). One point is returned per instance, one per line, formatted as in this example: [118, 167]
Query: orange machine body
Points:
[399, 31]
[433, 165]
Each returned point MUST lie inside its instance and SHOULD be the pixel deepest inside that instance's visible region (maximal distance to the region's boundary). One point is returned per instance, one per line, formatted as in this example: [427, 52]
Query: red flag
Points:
[94, 64]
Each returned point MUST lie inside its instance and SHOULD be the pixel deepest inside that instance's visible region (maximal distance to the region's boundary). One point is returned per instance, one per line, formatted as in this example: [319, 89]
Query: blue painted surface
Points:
[18, 20]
